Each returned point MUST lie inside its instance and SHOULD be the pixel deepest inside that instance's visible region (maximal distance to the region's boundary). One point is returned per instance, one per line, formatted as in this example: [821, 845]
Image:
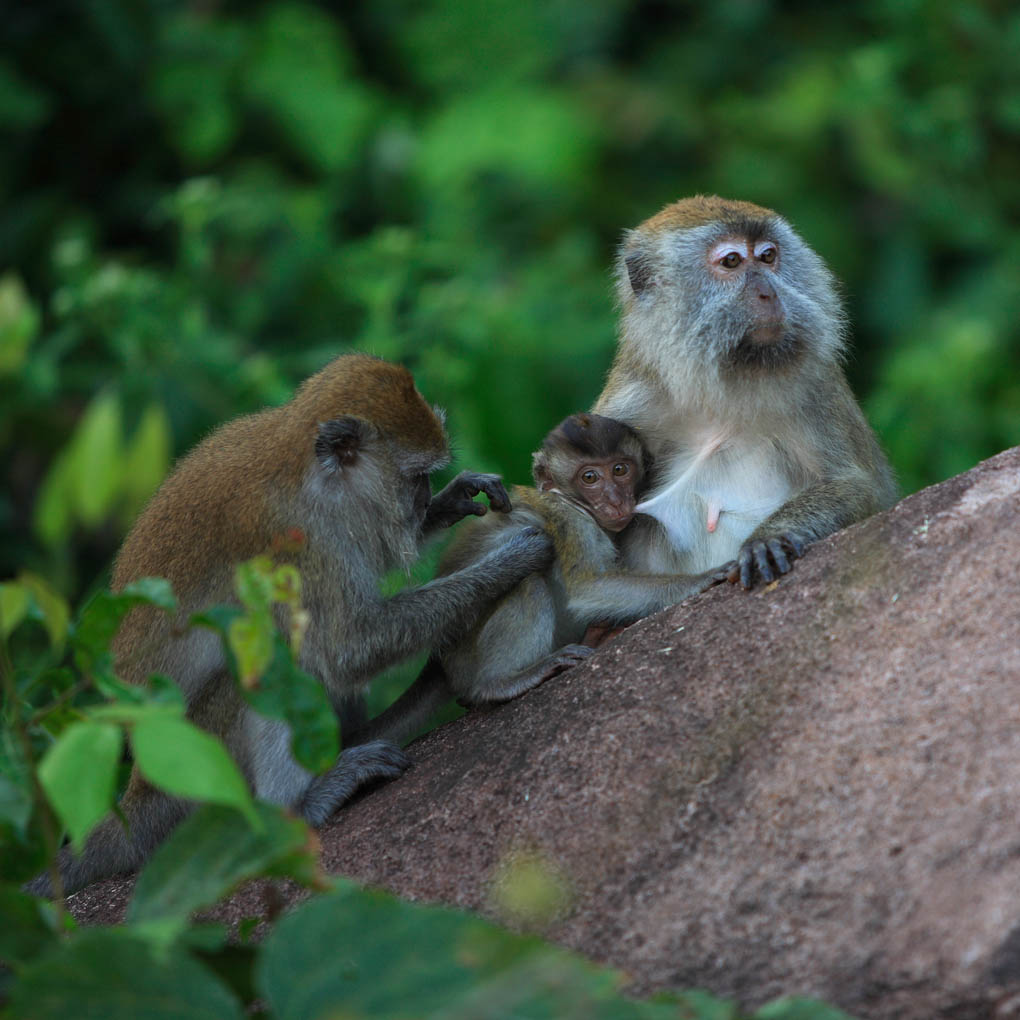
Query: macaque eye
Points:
[768, 256]
[731, 260]
[589, 477]
[621, 470]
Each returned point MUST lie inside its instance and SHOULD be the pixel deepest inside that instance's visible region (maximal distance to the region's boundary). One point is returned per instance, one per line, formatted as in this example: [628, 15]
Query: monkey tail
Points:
[112, 849]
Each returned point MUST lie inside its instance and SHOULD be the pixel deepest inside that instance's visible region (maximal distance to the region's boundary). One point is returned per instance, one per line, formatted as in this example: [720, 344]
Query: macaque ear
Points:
[639, 269]
[340, 440]
[541, 473]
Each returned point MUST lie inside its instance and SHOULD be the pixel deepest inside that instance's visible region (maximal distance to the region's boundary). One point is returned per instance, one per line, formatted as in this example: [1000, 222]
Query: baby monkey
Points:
[588, 476]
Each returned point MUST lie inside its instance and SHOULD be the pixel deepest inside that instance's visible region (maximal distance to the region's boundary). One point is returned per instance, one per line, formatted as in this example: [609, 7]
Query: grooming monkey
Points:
[729, 364]
[587, 474]
[346, 461]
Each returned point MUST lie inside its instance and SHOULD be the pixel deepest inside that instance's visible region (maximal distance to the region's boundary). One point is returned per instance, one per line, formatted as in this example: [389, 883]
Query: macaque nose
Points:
[764, 289]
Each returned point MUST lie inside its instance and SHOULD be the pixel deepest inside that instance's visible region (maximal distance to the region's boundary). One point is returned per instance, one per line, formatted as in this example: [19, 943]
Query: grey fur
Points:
[772, 451]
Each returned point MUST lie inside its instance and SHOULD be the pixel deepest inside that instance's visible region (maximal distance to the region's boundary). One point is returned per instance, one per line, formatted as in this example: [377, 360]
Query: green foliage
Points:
[204, 203]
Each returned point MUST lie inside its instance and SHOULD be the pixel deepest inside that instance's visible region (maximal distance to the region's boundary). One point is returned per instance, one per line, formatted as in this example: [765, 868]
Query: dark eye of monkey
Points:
[768, 256]
[731, 260]
[589, 477]
[620, 470]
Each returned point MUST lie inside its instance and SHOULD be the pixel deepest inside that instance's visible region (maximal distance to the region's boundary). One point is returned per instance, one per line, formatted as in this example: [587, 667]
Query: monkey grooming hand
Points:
[456, 501]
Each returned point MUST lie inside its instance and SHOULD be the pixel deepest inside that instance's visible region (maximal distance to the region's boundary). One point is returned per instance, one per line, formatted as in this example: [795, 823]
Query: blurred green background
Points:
[203, 202]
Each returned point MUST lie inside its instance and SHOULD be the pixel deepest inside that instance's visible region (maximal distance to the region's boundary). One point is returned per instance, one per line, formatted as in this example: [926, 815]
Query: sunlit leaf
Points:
[146, 458]
[19, 321]
[14, 603]
[79, 773]
[96, 464]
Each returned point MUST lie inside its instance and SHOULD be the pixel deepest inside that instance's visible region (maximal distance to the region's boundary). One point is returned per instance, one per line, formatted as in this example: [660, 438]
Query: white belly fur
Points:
[730, 488]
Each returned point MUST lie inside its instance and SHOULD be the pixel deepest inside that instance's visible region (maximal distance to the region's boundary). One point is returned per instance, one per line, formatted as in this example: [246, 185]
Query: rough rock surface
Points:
[813, 788]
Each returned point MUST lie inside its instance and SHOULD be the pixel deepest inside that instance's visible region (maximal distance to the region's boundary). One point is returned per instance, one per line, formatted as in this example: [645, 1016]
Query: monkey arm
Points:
[456, 501]
[438, 613]
[813, 513]
[621, 597]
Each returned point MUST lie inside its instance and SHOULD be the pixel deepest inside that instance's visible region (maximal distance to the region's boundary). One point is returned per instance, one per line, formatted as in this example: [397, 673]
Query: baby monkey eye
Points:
[590, 477]
[768, 256]
[620, 470]
[731, 260]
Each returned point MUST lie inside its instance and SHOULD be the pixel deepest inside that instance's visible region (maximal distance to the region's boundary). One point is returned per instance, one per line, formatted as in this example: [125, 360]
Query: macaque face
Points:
[748, 268]
[607, 487]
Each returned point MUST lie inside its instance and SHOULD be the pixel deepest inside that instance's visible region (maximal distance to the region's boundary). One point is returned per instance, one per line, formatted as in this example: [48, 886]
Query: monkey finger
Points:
[794, 542]
[499, 500]
[746, 561]
[778, 556]
[761, 561]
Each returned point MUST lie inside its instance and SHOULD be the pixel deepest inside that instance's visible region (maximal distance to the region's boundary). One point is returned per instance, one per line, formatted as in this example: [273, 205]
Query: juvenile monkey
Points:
[730, 364]
[587, 476]
[346, 461]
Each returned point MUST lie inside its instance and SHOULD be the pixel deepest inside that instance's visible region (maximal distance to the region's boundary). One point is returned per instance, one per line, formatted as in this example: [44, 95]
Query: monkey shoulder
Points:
[581, 545]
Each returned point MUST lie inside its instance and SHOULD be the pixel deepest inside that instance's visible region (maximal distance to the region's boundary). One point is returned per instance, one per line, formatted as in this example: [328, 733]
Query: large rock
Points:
[813, 788]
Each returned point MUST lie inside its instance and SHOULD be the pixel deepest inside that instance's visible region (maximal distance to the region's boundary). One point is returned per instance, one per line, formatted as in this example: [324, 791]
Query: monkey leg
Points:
[112, 849]
[531, 676]
[356, 767]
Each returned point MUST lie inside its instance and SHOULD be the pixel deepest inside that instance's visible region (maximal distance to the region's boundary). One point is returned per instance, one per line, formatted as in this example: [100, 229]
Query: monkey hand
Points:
[528, 550]
[765, 558]
[456, 500]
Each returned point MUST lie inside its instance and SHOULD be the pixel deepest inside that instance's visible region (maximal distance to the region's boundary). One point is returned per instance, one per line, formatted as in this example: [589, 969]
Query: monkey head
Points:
[597, 463]
[728, 286]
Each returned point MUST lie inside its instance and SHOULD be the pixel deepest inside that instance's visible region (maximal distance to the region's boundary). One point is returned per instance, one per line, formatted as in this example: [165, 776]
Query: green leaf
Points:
[214, 850]
[297, 73]
[96, 464]
[111, 973]
[796, 1008]
[288, 693]
[52, 514]
[52, 606]
[250, 640]
[146, 459]
[14, 603]
[26, 931]
[186, 761]
[253, 582]
[78, 774]
[338, 949]
[19, 322]
[15, 801]
[103, 614]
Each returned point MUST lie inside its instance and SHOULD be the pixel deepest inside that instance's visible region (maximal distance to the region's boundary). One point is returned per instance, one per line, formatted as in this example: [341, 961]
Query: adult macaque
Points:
[346, 461]
[730, 367]
[587, 473]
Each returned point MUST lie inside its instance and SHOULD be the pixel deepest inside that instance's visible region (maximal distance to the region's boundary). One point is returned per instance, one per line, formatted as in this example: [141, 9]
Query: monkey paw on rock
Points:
[766, 558]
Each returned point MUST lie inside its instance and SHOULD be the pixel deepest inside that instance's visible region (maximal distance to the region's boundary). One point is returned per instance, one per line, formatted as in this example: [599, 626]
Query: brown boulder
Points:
[813, 788]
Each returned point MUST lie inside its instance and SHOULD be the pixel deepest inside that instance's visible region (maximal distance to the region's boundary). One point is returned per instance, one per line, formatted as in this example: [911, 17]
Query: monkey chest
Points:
[708, 505]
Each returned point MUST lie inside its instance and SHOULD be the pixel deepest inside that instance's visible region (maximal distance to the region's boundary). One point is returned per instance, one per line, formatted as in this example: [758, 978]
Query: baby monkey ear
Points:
[340, 440]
